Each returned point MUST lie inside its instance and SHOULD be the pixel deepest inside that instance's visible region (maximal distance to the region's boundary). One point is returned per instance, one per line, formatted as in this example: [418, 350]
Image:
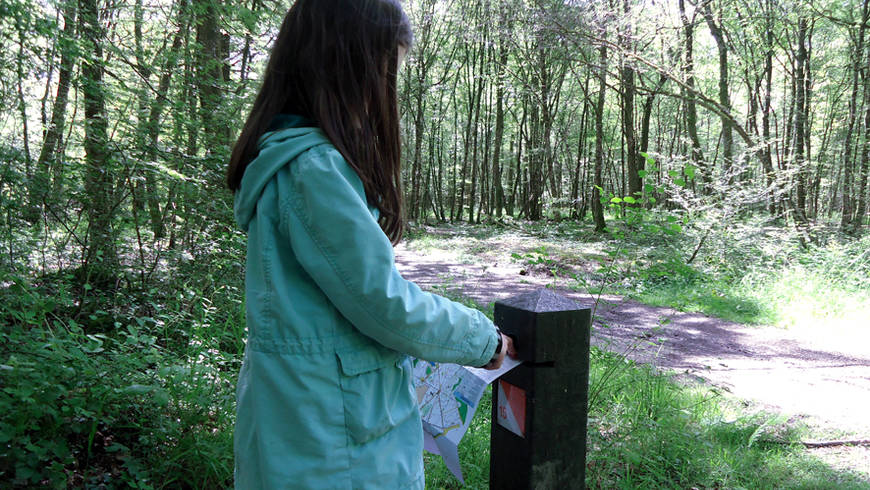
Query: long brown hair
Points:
[335, 62]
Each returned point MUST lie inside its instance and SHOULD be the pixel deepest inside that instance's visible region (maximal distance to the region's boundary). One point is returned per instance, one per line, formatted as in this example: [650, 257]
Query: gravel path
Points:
[820, 377]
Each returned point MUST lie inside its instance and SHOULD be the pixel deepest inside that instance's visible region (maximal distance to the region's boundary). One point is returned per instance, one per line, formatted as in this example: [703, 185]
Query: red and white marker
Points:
[512, 408]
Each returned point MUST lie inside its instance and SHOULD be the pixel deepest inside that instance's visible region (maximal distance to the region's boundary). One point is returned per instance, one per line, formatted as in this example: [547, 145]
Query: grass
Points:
[770, 282]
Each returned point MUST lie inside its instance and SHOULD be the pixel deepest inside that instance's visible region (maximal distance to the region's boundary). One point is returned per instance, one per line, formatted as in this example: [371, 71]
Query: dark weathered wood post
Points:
[539, 408]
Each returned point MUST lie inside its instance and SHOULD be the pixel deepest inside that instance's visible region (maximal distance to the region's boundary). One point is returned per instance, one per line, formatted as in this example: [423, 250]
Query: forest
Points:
[697, 129]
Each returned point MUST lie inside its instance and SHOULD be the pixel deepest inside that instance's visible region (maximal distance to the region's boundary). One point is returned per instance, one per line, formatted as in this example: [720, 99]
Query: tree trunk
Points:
[99, 187]
[691, 116]
[598, 183]
[628, 90]
[800, 123]
[209, 72]
[51, 156]
[766, 152]
[33, 205]
[864, 168]
[152, 127]
[724, 99]
[499, 126]
[848, 143]
[578, 209]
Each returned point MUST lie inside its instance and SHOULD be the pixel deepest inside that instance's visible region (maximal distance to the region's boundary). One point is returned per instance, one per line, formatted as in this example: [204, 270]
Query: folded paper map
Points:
[448, 395]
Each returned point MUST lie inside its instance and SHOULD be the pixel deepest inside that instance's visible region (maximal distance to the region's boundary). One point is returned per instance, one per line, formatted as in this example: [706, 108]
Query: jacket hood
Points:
[287, 137]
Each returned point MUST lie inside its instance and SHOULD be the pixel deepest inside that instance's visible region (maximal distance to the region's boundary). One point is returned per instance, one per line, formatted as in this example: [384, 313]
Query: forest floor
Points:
[817, 378]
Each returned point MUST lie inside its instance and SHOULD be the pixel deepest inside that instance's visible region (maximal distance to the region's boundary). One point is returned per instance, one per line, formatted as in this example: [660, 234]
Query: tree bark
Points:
[101, 258]
[499, 125]
[716, 31]
[766, 152]
[848, 143]
[627, 76]
[597, 182]
[691, 116]
[800, 123]
[51, 156]
[864, 168]
[210, 72]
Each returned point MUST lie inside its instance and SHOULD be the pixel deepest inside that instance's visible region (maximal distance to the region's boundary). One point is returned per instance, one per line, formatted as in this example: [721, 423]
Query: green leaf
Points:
[630, 200]
[616, 200]
[161, 398]
[642, 173]
[690, 171]
[680, 182]
[649, 160]
[674, 173]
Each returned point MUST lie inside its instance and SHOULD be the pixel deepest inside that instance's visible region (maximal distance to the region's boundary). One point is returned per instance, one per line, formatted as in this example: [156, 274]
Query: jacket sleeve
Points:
[341, 246]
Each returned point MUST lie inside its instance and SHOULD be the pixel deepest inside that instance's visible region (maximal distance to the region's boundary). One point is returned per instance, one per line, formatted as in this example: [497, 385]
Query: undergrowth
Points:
[135, 395]
[760, 275]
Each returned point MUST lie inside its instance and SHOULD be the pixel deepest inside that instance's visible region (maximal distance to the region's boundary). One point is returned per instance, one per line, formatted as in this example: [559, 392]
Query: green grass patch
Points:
[759, 282]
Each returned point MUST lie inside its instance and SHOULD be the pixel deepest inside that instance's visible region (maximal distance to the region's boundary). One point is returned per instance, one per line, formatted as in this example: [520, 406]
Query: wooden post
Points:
[539, 408]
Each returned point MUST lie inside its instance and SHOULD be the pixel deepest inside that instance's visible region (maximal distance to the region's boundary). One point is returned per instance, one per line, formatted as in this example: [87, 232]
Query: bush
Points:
[114, 409]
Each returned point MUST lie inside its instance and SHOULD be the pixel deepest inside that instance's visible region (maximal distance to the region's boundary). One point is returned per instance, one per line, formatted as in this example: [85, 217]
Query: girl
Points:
[325, 397]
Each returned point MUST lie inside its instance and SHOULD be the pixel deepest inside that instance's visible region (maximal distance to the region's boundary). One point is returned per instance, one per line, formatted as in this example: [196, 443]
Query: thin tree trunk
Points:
[34, 201]
[766, 149]
[627, 76]
[597, 183]
[848, 143]
[578, 209]
[864, 168]
[691, 115]
[499, 126]
[102, 257]
[800, 123]
[50, 156]
[724, 99]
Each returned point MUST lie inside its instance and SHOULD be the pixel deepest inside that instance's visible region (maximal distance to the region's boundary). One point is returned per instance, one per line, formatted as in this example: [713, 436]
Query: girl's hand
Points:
[507, 348]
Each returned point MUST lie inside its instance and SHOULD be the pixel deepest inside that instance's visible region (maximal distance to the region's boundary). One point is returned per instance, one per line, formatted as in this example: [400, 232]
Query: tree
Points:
[102, 257]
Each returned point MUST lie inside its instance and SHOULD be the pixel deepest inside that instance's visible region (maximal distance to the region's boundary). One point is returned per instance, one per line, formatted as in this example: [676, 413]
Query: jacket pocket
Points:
[377, 392]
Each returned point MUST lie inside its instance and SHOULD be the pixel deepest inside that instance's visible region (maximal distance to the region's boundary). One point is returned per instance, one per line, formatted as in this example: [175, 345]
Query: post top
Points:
[541, 301]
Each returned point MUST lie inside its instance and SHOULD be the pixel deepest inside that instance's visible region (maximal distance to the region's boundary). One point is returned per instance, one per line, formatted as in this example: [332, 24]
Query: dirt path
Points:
[820, 377]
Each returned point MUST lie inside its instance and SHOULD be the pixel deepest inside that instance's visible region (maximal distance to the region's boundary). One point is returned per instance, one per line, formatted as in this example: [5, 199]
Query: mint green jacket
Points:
[324, 398]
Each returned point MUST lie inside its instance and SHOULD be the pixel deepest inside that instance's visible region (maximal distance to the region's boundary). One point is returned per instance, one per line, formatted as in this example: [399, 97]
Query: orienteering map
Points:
[448, 395]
